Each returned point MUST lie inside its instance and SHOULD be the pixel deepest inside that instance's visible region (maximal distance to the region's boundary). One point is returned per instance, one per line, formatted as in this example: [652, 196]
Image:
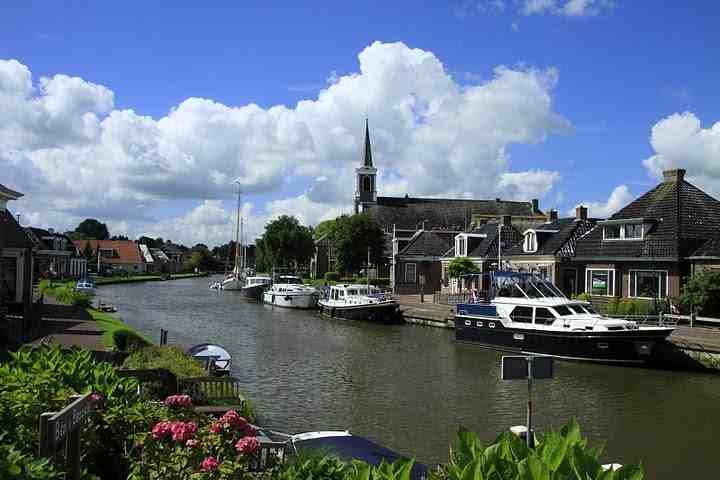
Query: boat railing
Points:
[660, 320]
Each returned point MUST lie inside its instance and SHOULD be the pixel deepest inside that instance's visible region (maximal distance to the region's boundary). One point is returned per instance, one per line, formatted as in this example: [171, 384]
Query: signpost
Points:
[516, 367]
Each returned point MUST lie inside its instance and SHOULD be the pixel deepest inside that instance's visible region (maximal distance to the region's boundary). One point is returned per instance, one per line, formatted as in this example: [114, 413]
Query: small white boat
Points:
[86, 286]
[288, 291]
[215, 358]
[360, 302]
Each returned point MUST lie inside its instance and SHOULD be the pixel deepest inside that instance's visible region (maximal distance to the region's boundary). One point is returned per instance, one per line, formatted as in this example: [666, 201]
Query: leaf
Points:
[553, 450]
[630, 472]
[532, 468]
[571, 432]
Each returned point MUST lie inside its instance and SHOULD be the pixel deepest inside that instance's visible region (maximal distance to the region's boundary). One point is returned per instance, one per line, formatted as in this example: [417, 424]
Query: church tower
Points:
[365, 192]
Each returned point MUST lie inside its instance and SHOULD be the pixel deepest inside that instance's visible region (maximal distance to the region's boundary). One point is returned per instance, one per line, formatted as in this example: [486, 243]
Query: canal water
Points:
[410, 387]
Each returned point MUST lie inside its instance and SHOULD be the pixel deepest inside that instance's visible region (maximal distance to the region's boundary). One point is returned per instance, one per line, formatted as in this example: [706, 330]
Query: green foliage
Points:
[64, 292]
[585, 297]
[634, 306]
[21, 465]
[557, 455]
[317, 465]
[332, 276]
[91, 228]
[380, 282]
[170, 358]
[702, 293]
[461, 266]
[128, 340]
[202, 259]
[285, 243]
[350, 238]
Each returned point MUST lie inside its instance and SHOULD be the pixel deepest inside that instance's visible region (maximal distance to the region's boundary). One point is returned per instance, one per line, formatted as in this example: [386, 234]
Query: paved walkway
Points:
[68, 326]
[697, 338]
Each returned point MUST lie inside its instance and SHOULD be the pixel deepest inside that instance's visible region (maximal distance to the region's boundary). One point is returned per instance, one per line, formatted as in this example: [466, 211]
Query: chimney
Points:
[674, 176]
[580, 212]
[535, 205]
[506, 220]
[552, 215]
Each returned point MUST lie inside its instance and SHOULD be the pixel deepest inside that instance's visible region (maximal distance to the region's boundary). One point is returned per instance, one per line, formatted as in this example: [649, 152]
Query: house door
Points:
[569, 282]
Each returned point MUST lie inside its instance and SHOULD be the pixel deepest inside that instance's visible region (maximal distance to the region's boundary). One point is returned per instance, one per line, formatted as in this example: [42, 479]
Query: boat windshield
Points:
[525, 286]
[291, 279]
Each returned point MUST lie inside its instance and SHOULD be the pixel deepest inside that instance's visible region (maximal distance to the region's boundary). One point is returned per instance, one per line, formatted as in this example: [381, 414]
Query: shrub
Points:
[128, 340]
[585, 297]
[170, 358]
[348, 280]
[332, 276]
[459, 266]
[702, 293]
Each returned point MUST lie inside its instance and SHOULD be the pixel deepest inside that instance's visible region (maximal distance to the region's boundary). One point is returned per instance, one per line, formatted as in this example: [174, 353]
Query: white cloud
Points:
[680, 141]
[74, 155]
[567, 8]
[619, 197]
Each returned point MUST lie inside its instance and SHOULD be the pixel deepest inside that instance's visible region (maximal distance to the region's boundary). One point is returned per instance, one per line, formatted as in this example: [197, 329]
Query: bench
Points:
[213, 395]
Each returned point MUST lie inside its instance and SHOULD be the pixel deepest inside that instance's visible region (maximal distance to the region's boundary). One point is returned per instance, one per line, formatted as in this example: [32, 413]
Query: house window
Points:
[522, 314]
[461, 246]
[410, 272]
[530, 243]
[648, 284]
[600, 282]
[633, 231]
[611, 232]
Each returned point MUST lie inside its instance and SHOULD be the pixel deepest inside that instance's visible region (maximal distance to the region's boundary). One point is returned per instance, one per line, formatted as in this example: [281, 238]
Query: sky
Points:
[144, 114]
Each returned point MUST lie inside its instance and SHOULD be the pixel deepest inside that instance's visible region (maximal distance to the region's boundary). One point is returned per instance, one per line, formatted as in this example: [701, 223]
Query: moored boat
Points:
[288, 291]
[524, 314]
[86, 286]
[255, 287]
[360, 302]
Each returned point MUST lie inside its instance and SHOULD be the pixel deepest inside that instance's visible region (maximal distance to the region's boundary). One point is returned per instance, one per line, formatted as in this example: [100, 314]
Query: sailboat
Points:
[236, 279]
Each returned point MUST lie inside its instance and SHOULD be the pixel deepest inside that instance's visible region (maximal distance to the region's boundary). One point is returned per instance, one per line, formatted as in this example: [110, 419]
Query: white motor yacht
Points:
[290, 292]
[360, 302]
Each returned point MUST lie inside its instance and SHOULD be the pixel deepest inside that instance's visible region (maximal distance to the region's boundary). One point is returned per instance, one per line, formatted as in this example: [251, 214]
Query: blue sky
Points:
[569, 119]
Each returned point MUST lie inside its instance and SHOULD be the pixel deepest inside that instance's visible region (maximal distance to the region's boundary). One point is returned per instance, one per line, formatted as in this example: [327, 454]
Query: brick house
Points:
[16, 258]
[548, 250]
[644, 250]
[707, 257]
[56, 255]
[480, 245]
[421, 256]
[120, 254]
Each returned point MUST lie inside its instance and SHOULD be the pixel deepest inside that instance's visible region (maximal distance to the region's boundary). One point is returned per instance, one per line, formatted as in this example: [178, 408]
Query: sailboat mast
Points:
[242, 244]
[237, 231]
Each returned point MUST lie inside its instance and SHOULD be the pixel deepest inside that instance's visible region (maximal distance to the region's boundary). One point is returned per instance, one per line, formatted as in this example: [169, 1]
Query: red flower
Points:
[209, 464]
[181, 431]
[247, 445]
[161, 430]
[217, 427]
[178, 401]
[250, 431]
[232, 418]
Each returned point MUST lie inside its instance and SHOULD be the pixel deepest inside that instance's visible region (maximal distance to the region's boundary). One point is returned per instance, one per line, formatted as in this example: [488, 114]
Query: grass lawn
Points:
[110, 325]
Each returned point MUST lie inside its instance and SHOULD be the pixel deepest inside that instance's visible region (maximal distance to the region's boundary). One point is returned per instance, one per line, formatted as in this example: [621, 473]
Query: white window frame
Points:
[622, 233]
[667, 281]
[461, 246]
[414, 270]
[588, 280]
[530, 242]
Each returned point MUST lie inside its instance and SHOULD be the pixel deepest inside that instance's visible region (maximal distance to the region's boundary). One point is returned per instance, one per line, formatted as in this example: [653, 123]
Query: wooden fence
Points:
[60, 434]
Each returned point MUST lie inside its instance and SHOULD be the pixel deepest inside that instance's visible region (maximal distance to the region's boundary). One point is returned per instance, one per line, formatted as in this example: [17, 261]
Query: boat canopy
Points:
[518, 285]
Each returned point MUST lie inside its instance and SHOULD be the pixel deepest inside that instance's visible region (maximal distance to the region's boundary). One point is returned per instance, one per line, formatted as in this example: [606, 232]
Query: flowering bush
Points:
[178, 401]
[199, 448]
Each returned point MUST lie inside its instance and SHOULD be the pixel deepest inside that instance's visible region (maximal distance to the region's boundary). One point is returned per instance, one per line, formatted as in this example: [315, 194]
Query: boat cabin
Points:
[289, 279]
[340, 292]
[252, 281]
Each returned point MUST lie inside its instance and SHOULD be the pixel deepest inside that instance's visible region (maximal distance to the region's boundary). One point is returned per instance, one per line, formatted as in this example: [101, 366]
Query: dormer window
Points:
[461, 246]
[631, 229]
[530, 242]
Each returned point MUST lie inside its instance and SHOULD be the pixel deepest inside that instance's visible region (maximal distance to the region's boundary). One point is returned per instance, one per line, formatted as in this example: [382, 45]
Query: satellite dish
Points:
[214, 356]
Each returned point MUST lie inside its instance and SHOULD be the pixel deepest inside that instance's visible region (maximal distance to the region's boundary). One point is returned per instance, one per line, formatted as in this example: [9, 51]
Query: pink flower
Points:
[209, 464]
[217, 427]
[161, 430]
[232, 418]
[247, 445]
[250, 431]
[96, 398]
[181, 431]
[178, 401]
[192, 443]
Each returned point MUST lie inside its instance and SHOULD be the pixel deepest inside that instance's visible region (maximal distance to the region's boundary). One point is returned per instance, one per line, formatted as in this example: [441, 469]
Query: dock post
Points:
[692, 318]
[661, 319]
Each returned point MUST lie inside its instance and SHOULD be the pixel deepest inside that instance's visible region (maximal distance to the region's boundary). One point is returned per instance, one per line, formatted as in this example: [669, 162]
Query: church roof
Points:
[442, 213]
[367, 154]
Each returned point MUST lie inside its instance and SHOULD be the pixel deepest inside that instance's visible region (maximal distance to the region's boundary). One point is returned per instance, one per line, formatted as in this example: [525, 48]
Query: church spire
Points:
[367, 157]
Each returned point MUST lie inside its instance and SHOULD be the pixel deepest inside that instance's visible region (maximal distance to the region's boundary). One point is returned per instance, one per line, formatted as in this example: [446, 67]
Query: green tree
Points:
[201, 258]
[91, 228]
[150, 242]
[351, 237]
[285, 243]
[87, 251]
[702, 292]
[461, 266]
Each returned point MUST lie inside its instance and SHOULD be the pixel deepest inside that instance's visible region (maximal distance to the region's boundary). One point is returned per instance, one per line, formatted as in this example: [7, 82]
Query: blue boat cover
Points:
[353, 447]
[484, 310]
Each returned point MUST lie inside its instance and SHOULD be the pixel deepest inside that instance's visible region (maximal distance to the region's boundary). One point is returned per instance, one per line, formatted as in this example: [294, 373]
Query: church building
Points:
[420, 231]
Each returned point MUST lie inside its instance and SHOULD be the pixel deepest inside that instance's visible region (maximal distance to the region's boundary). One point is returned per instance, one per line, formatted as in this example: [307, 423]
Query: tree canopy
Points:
[702, 292]
[285, 243]
[350, 237]
[90, 228]
[461, 266]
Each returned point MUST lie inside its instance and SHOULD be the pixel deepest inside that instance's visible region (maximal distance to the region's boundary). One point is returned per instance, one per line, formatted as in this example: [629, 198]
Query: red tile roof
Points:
[124, 251]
